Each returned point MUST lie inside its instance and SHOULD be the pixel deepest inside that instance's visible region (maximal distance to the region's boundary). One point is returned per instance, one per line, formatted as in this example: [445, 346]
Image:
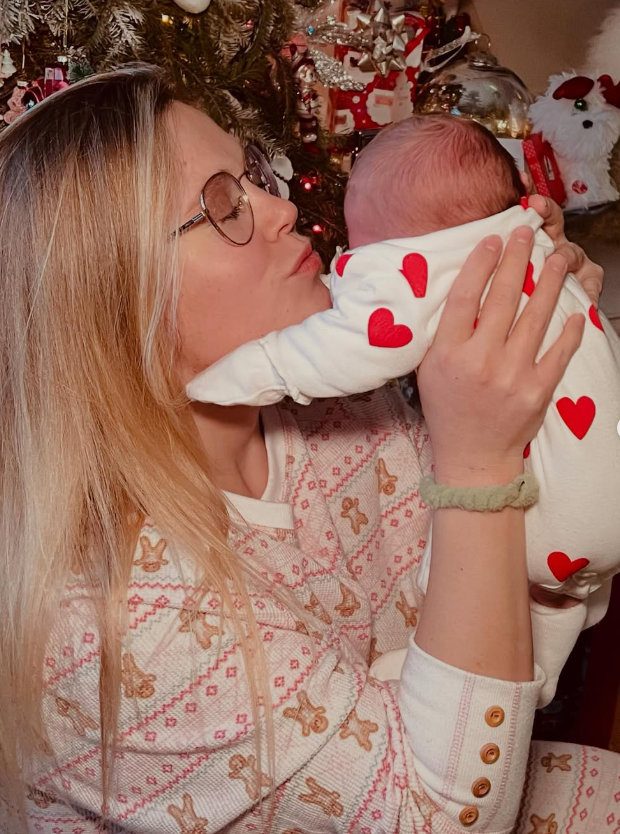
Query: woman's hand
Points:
[483, 394]
[589, 274]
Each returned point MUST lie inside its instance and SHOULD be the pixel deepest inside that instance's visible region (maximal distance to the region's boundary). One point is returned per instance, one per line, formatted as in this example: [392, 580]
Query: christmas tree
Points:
[231, 56]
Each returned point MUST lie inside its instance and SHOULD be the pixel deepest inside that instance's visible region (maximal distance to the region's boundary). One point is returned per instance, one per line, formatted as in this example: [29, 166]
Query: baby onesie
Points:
[387, 300]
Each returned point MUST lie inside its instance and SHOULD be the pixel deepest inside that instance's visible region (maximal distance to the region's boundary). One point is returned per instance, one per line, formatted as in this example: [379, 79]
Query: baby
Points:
[421, 196]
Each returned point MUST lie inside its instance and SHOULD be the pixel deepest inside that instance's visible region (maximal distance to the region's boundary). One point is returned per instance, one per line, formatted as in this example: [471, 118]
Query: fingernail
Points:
[493, 243]
[524, 234]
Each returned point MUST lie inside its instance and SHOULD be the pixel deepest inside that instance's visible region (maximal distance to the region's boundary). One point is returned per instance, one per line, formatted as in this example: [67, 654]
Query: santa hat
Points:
[580, 85]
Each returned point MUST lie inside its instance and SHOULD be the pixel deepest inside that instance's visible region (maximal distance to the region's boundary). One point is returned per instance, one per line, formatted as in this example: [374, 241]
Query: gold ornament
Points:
[480, 89]
[384, 42]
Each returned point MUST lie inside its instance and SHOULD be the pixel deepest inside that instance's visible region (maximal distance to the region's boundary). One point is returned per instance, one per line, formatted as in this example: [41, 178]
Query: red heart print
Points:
[415, 270]
[579, 187]
[562, 566]
[341, 263]
[577, 416]
[528, 285]
[382, 332]
[526, 452]
[594, 317]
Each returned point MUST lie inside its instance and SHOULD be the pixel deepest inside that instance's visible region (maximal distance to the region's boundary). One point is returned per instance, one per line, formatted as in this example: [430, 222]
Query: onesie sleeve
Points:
[376, 330]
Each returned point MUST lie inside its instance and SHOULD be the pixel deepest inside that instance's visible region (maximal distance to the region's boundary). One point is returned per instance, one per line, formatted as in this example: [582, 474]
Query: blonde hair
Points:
[95, 429]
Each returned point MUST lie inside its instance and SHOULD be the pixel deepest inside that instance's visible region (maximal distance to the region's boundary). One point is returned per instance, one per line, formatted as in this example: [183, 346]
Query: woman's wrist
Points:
[478, 475]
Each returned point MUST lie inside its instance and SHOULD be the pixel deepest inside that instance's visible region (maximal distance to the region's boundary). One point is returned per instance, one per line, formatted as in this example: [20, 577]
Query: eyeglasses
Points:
[225, 203]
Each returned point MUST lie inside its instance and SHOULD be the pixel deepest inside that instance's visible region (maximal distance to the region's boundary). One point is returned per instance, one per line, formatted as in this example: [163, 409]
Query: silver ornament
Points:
[384, 42]
[193, 6]
[333, 74]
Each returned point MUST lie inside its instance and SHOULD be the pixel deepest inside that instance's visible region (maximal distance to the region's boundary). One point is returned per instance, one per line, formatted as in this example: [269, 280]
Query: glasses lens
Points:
[259, 170]
[229, 208]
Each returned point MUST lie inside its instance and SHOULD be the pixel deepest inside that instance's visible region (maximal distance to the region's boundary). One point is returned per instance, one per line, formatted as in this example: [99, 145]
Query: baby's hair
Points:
[425, 174]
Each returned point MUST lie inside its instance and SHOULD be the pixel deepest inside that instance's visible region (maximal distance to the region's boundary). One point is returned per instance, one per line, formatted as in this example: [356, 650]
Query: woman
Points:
[155, 612]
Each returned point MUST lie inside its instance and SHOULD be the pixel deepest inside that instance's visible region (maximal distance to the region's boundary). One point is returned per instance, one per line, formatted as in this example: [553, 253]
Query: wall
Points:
[537, 38]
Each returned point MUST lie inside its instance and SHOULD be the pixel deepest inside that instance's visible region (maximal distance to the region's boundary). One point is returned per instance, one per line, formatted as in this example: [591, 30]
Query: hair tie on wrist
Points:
[522, 492]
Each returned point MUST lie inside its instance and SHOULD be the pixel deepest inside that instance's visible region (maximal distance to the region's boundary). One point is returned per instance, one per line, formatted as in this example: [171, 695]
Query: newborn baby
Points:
[421, 196]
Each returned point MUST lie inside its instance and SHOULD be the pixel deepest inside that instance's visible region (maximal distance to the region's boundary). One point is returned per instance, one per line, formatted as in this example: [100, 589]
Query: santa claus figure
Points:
[580, 118]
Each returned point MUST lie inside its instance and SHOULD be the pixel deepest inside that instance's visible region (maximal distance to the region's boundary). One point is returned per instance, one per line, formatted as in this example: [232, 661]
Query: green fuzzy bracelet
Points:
[522, 492]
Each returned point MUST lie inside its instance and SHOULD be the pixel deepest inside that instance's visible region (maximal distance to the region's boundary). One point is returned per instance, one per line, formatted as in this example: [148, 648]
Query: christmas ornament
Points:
[7, 67]
[308, 102]
[24, 96]
[193, 6]
[480, 89]
[384, 41]
[332, 72]
[55, 77]
[580, 118]
[282, 167]
[435, 59]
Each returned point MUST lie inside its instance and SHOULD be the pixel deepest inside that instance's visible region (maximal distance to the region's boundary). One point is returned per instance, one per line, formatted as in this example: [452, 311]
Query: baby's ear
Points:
[527, 182]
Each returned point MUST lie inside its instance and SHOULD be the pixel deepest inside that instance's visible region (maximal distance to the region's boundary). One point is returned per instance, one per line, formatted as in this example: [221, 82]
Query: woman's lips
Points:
[310, 264]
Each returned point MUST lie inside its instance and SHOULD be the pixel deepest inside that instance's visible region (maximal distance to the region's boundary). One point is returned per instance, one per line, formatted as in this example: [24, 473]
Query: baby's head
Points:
[425, 174]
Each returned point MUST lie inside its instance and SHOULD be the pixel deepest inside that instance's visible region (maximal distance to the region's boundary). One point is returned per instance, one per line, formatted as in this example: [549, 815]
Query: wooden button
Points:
[468, 815]
[481, 787]
[494, 716]
[489, 753]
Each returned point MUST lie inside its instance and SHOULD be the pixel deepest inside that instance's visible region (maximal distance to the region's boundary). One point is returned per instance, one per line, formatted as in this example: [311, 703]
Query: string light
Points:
[165, 18]
[317, 229]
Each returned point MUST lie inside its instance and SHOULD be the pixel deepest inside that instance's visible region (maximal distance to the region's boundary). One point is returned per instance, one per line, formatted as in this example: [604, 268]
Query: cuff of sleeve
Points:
[470, 736]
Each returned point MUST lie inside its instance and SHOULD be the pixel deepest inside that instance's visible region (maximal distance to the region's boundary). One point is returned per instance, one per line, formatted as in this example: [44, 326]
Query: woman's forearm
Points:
[476, 612]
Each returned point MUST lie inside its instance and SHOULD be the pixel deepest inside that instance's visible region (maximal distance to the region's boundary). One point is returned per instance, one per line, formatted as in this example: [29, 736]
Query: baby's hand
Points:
[589, 274]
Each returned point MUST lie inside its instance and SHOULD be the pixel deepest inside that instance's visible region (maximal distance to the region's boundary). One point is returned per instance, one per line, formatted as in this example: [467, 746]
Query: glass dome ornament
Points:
[479, 88]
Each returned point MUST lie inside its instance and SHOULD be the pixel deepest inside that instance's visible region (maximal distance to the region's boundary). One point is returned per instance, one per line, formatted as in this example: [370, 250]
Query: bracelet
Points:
[522, 492]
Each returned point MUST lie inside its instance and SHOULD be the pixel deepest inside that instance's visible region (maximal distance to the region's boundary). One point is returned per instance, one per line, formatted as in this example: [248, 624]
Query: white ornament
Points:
[7, 67]
[283, 169]
[193, 6]
[582, 129]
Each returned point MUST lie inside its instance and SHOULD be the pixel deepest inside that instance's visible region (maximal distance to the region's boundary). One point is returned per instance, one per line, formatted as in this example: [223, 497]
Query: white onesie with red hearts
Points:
[387, 300]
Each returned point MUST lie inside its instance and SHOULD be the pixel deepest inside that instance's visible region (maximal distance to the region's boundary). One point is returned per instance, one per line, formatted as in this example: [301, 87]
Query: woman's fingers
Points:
[553, 364]
[463, 301]
[530, 328]
[502, 301]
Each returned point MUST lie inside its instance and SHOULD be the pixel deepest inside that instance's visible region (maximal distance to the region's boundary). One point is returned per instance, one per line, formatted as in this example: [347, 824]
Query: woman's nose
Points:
[274, 215]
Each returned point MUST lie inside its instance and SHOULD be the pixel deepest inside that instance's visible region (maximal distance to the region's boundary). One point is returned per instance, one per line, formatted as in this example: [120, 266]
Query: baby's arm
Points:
[376, 330]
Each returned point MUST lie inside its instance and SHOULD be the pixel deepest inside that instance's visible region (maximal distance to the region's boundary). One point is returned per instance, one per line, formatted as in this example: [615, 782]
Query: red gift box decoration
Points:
[544, 167]
[384, 100]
